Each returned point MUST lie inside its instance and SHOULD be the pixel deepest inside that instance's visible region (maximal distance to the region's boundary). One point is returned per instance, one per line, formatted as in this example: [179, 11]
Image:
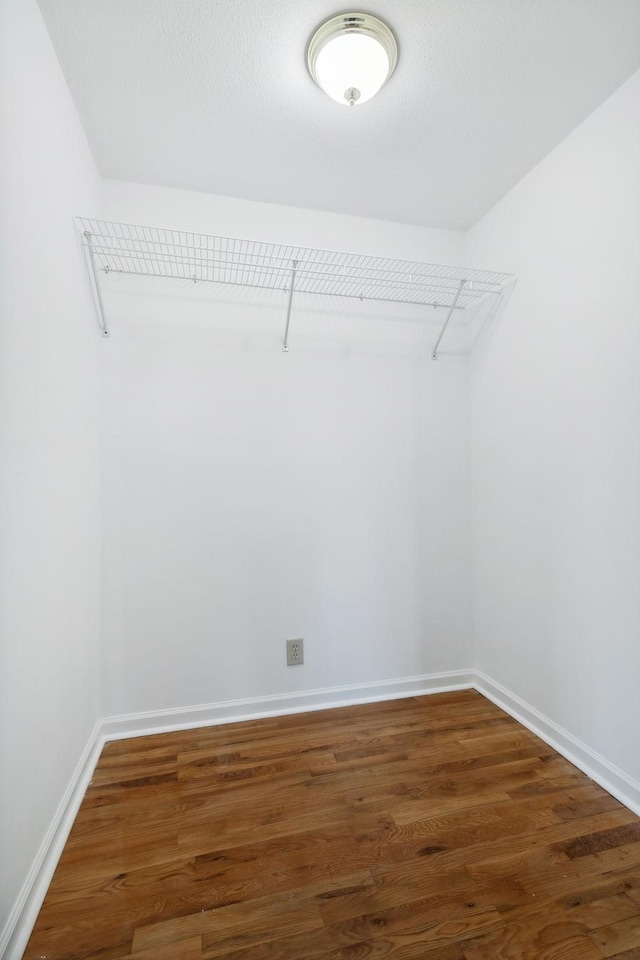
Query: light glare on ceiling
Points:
[352, 56]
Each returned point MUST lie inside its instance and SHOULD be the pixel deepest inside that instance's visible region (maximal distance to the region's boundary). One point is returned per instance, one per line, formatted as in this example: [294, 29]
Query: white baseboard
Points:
[606, 774]
[22, 918]
[278, 705]
[16, 933]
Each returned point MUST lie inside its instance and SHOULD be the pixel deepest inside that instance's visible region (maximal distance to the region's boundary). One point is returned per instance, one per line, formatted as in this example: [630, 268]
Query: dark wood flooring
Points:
[431, 828]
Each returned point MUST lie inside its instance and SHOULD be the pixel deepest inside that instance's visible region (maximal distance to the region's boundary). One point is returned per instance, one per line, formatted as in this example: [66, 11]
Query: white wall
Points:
[230, 217]
[253, 496]
[49, 471]
[556, 437]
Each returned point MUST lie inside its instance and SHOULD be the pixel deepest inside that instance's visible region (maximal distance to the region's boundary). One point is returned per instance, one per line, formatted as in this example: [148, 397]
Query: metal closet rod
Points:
[151, 251]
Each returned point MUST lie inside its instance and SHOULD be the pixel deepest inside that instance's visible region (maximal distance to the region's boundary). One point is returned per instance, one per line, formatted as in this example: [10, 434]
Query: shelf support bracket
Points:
[434, 355]
[285, 342]
[95, 283]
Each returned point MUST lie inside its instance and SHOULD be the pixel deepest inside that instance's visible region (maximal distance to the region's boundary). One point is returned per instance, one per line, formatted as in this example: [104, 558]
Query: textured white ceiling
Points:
[214, 95]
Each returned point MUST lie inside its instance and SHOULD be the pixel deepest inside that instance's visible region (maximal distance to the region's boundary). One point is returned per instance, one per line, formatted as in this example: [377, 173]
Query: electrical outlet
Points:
[295, 652]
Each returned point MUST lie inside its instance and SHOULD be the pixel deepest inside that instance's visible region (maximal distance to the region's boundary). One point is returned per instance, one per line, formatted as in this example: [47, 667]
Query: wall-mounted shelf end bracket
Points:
[92, 270]
[434, 355]
[285, 342]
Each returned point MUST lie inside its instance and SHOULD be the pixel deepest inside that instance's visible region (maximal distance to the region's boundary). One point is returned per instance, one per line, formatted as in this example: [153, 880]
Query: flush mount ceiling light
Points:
[352, 56]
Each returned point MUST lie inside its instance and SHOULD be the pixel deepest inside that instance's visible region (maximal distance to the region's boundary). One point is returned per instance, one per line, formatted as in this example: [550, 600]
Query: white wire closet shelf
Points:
[127, 248]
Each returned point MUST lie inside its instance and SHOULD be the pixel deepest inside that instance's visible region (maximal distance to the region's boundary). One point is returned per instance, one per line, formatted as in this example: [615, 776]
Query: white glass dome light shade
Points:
[352, 56]
[352, 68]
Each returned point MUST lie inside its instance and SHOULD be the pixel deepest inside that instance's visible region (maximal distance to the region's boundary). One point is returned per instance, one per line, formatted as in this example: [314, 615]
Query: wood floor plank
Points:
[600, 913]
[623, 935]
[429, 828]
[583, 845]
[190, 949]
[239, 924]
